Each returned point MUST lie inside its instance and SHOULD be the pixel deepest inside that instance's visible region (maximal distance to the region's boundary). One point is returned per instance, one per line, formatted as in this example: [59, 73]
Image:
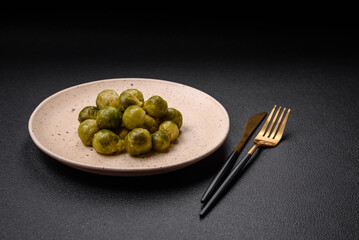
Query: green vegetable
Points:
[87, 130]
[108, 98]
[107, 142]
[109, 117]
[173, 115]
[156, 107]
[150, 124]
[170, 128]
[89, 112]
[122, 133]
[160, 141]
[121, 145]
[131, 97]
[138, 141]
[125, 122]
[134, 117]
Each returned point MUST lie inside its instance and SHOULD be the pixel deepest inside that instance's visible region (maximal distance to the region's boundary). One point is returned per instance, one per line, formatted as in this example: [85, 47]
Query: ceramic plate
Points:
[53, 127]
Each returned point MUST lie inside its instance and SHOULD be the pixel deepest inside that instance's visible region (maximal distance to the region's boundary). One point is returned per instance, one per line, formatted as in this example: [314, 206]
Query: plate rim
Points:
[123, 171]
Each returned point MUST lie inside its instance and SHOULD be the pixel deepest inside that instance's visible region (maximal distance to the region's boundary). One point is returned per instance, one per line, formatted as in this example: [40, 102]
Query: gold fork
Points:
[265, 138]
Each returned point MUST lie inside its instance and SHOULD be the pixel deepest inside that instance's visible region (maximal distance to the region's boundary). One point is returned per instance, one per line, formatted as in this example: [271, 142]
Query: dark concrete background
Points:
[305, 188]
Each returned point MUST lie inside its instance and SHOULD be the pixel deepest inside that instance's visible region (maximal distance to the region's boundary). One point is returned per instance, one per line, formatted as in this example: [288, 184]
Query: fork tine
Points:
[282, 126]
[272, 123]
[267, 122]
[277, 125]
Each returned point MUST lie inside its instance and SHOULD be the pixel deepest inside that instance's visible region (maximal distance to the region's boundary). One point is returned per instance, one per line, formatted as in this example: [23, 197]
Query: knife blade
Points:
[249, 128]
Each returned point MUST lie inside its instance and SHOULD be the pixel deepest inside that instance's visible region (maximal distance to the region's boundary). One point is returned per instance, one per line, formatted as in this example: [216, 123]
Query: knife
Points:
[249, 128]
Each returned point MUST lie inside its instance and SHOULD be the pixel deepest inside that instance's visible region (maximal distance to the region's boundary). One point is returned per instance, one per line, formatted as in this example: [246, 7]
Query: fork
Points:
[265, 138]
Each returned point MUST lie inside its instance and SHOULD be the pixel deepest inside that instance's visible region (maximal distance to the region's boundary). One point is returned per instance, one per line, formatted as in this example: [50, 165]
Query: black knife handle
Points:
[220, 175]
[237, 170]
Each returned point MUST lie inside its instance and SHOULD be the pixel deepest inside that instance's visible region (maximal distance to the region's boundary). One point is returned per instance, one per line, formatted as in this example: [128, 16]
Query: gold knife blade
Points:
[249, 128]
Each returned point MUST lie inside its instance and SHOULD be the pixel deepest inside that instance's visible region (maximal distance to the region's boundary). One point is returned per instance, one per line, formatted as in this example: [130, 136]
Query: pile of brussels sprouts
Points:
[126, 122]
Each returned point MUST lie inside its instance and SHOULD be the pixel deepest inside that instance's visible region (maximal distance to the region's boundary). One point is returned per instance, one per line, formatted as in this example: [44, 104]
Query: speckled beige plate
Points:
[53, 127]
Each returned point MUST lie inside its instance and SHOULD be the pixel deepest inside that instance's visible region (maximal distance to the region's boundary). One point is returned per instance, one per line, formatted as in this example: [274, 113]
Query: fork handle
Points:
[237, 170]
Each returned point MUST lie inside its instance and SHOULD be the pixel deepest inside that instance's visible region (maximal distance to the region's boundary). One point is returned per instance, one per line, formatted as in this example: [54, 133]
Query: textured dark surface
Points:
[305, 188]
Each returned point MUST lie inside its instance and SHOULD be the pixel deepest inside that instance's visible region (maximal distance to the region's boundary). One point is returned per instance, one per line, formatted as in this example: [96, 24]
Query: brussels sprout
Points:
[87, 130]
[88, 112]
[160, 141]
[155, 106]
[109, 117]
[121, 145]
[107, 142]
[134, 117]
[108, 98]
[170, 128]
[138, 141]
[173, 115]
[131, 97]
[122, 133]
[150, 124]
